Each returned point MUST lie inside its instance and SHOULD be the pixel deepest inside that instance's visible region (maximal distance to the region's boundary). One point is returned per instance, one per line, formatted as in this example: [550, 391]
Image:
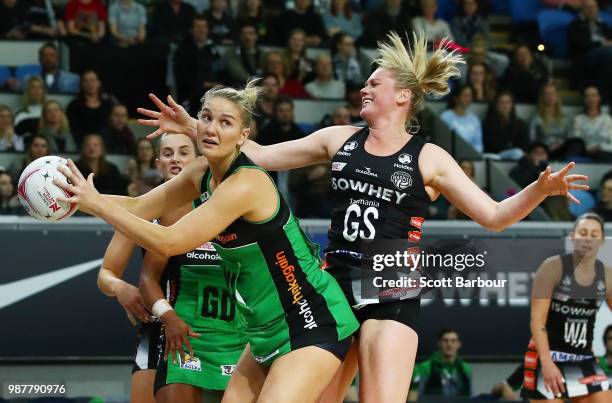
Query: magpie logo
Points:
[11, 293]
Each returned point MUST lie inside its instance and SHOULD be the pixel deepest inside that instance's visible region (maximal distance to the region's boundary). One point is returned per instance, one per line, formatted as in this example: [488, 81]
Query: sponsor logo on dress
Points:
[560, 356]
[531, 360]
[205, 196]
[227, 238]
[190, 362]
[227, 370]
[405, 158]
[203, 256]
[368, 189]
[350, 146]
[368, 171]
[561, 297]
[417, 222]
[401, 180]
[529, 380]
[338, 166]
[295, 290]
[601, 286]
[414, 236]
[207, 246]
[264, 358]
[567, 281]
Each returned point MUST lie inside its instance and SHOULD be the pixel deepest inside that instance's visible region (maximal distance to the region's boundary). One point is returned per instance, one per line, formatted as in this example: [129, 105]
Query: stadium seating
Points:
[523, 11]
[5, 74]
[553, 25]
[27, 70]
[447, 9]
[501, 6]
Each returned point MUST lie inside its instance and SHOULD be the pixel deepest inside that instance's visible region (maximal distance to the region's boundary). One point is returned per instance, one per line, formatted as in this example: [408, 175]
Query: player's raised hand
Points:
[560, 183]
[82, 191]
[171, 118]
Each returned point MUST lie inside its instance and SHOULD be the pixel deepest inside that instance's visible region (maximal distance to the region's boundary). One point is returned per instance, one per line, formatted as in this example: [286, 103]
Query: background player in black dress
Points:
[566, 295]
[175, 152]
[387, 345]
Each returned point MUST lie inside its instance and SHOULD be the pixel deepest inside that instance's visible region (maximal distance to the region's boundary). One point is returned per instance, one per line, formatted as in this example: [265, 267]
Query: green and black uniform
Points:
[285, 300]
[198, 292]
[435, 376]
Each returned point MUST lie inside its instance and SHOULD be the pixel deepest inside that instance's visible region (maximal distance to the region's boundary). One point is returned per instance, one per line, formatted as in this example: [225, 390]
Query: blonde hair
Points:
[557, 113]
[27, 96]
[246, 98]
[43, 125]
[415, 70]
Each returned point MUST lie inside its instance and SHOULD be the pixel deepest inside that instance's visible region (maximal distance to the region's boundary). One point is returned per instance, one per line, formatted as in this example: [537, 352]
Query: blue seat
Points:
[5, 74]
[606, 17]
[447, 9]
[27, 70]
[502, 7]
[307, 128]
[524, 10]
[553, 25]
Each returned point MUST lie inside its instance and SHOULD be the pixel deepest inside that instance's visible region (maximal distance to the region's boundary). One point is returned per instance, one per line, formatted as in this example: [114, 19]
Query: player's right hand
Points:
[177, 334]
[131, 300]
[171, 118]
[553, 378]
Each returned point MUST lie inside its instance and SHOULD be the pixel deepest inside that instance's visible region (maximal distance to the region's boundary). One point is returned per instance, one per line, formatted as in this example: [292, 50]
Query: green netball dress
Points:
[198, 292]
[285, 300]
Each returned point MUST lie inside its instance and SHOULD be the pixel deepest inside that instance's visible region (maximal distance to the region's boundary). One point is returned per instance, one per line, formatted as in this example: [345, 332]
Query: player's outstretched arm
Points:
[116, 258]
[232, 199]
[167, 197]
[442, 172]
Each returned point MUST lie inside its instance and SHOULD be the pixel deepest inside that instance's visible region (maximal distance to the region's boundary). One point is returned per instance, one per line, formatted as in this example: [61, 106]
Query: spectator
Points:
[26, 119]
[470, 170]
[56, 80]
[294, 55]
[9, 140]
[444, 373]
[9, 203]
[12, 19]
[242, 63]
[89, 111]
[339, 117]
[85, 20]
[251, 12]
[594, 127]
[353, 101]
[127, 22]
[504, 133]
[482, 82]
[525, 75]
[36, 147]
[41, 20]
[604, 202]
[391, 16]
[346, 65]
[117, 136]
[435, 29]
[589, 40]
[265, 111]
[529, 167]
[107, 178]
[470, 23]
[302, 17]
[549, 125]
[282, 127]
[196, 65]
[341, 18]
[171, 20]
[324, 86]
[141, 169]
[274, 64]
[479, 53]
[605, 361]
[567, 5]
[461, 121]
[55, 127]
[220, 23]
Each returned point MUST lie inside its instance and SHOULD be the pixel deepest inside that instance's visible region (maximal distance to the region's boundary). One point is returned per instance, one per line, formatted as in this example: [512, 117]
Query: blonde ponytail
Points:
[413, 69]
[246, 98]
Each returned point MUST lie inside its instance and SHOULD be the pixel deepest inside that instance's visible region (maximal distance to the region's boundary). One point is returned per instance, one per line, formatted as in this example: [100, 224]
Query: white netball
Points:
[37, 193]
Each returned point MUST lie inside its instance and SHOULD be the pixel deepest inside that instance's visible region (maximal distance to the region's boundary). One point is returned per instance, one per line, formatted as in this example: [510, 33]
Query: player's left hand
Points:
[560, 183]
[83, 190]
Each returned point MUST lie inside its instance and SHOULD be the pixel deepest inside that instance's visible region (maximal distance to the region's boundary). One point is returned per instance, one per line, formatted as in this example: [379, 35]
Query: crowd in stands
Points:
[302, 49]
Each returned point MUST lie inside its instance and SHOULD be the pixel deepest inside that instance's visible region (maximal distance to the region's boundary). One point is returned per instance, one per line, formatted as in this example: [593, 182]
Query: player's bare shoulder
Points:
[335, 136]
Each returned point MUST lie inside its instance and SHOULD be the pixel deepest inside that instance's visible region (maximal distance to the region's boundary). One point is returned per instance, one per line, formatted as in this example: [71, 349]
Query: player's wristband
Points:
[160, 307]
